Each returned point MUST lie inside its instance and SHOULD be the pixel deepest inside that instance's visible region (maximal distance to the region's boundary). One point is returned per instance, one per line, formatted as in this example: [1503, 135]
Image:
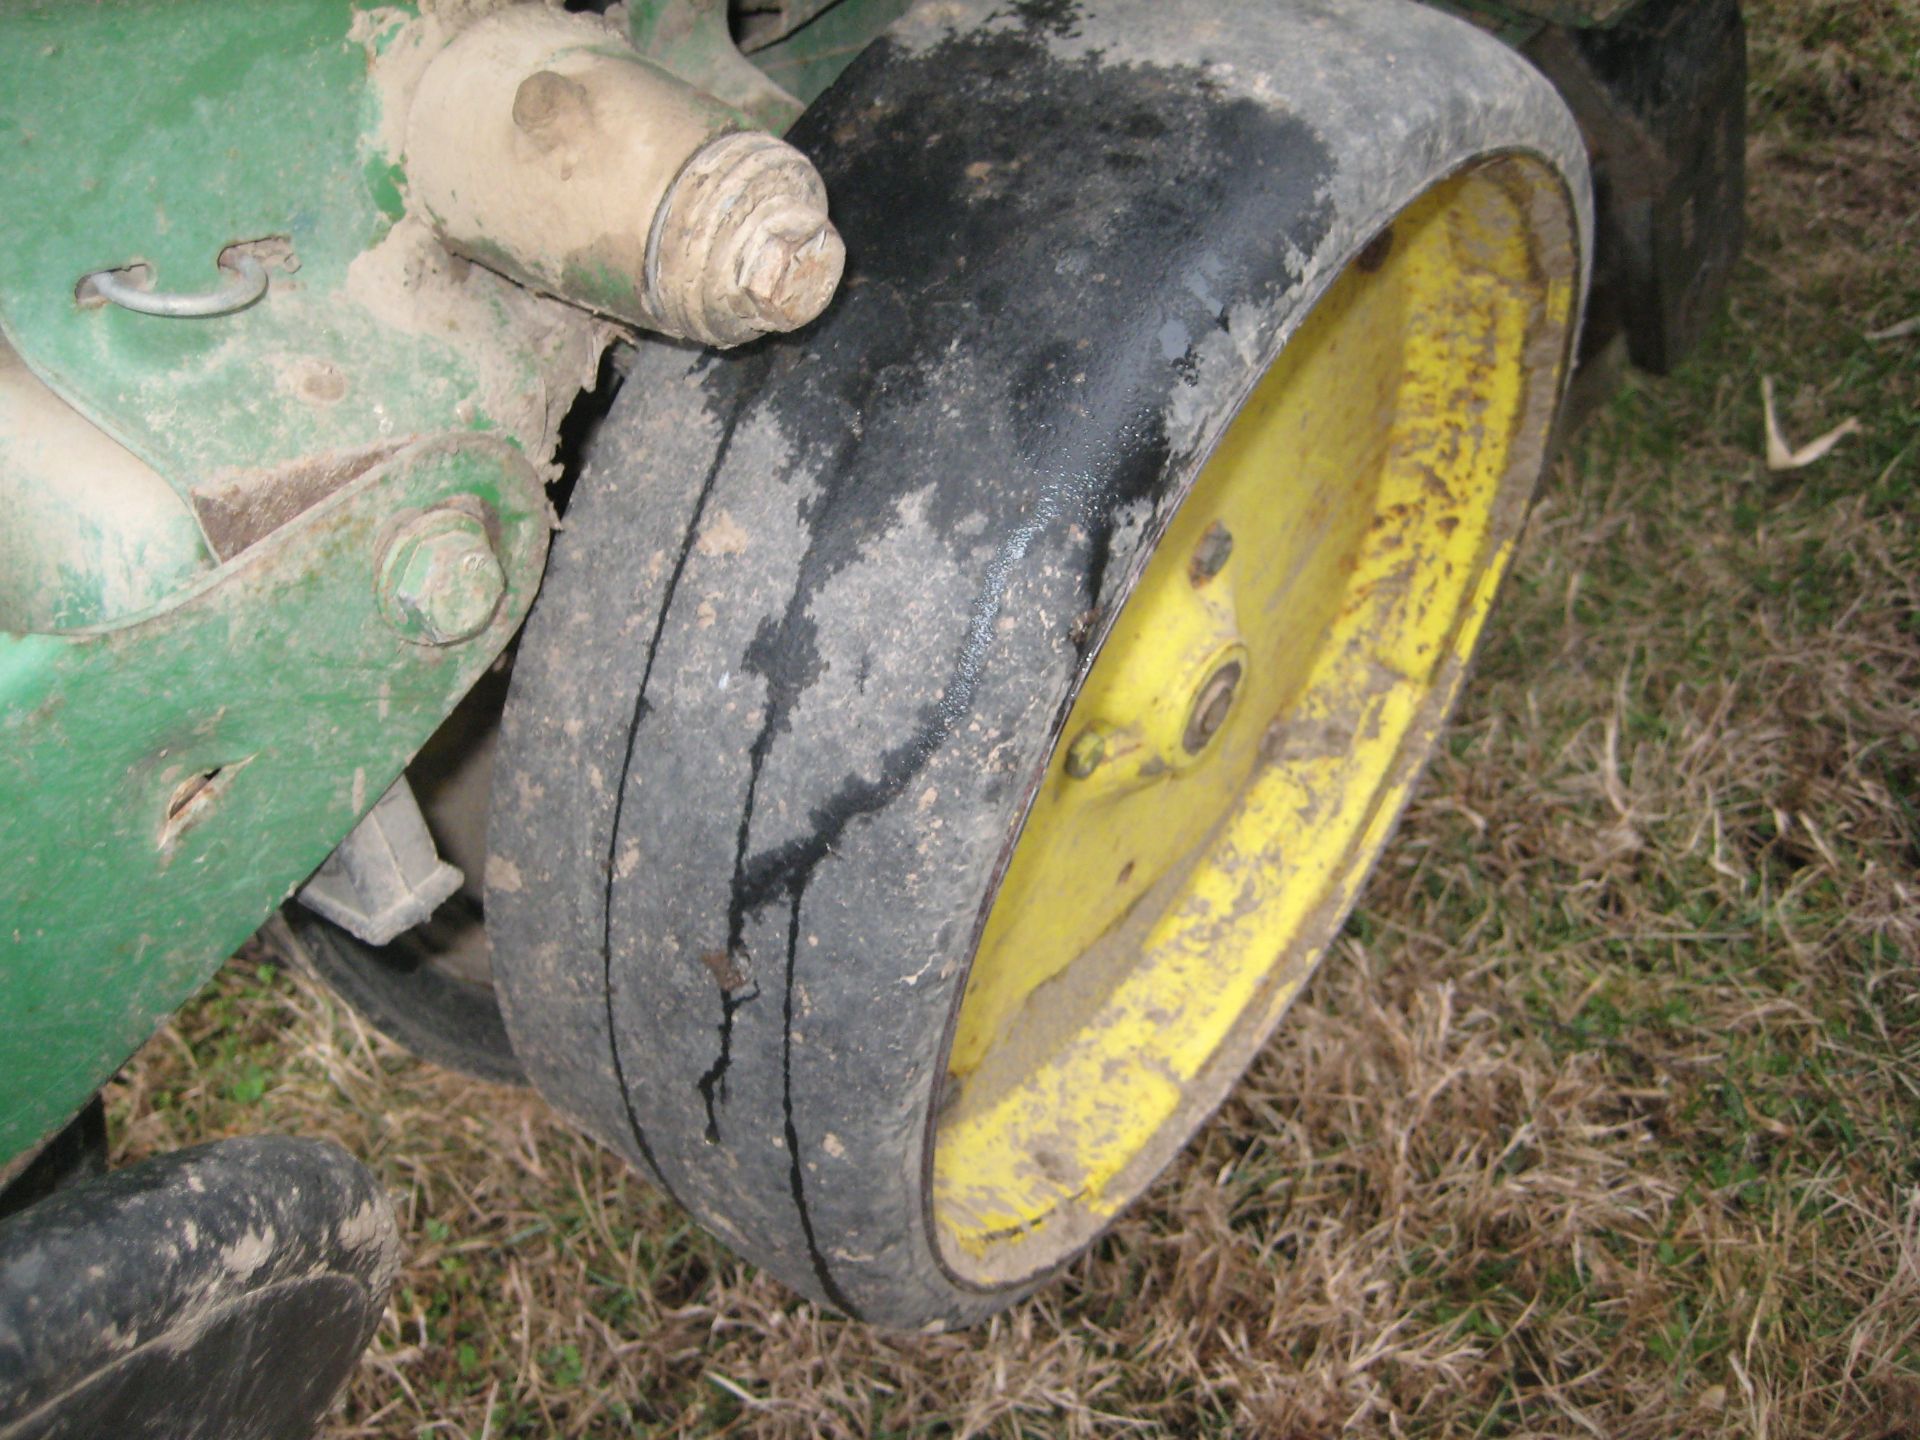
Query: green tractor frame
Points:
[850, 591]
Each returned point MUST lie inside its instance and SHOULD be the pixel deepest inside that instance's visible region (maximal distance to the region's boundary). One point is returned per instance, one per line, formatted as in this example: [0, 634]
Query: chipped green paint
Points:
[165, 783]
[76, 558]
[91, 535]
[604, 286]
[386, 183]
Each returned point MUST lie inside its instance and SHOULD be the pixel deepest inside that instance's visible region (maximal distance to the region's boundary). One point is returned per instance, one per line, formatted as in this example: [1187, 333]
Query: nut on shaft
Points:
[744, 247]
[541, 145]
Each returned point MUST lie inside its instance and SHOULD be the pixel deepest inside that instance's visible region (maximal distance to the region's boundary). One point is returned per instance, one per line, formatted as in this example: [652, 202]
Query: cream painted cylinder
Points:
[539, 144]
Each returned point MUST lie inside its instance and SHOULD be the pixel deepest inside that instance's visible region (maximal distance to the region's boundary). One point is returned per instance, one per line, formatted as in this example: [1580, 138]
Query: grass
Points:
[1601, 1122]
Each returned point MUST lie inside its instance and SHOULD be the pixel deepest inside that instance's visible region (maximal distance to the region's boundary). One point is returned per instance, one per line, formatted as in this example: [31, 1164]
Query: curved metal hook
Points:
[245, 282]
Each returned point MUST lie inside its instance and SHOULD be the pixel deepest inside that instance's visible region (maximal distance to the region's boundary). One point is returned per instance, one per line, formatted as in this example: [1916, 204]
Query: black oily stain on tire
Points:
[946, 226]
[958, 175]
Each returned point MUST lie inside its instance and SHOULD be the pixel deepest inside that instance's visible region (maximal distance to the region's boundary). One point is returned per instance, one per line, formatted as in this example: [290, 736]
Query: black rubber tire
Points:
[75, 1155]
[407, 996]
[821, 606]
[219, 1293]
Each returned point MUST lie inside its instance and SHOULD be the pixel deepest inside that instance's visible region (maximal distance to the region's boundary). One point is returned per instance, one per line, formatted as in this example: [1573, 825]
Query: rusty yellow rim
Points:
[1253, 720]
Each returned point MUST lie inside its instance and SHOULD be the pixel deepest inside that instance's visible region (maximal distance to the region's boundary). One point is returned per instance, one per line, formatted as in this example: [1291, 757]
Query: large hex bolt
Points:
[440, 582]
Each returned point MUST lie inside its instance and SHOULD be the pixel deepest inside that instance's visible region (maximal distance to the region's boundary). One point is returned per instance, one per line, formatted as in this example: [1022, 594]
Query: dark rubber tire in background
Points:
[821, 606]
[403, 991]
[223, 1292]
[430, 989]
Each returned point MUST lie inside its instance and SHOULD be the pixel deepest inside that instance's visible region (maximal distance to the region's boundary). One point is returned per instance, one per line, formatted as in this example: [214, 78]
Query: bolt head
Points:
[440, 582]
[745, 246]
[1086, 755]
[790, 264]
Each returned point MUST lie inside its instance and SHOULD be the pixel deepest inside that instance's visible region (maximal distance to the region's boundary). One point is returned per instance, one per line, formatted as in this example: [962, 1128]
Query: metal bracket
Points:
[167, 782]
[386, 876]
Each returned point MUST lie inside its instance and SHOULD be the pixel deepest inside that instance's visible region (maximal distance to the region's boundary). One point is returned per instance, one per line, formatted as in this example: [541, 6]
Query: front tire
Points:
[223, 1292]
[931, 815]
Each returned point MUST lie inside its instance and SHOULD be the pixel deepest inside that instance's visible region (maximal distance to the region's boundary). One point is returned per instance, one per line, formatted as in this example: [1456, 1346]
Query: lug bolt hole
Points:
[1086, 755]
[1210, 556]
[1211, 707]
[1374, 257]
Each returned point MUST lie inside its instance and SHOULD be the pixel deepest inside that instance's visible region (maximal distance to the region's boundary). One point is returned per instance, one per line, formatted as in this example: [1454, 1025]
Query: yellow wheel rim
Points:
[1254, 718]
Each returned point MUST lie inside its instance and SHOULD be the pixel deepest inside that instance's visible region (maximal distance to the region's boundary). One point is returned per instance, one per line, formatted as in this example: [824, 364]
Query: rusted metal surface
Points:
[241, 508]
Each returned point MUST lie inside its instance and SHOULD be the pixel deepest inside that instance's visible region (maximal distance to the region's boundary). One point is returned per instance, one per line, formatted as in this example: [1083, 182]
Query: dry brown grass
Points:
[1601, 1122]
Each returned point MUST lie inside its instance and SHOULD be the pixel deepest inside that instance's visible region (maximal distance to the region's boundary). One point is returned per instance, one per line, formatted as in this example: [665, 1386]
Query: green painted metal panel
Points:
[141, 130]
[692, 39]
[812, 57]
[164, 784]
[91, 534]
